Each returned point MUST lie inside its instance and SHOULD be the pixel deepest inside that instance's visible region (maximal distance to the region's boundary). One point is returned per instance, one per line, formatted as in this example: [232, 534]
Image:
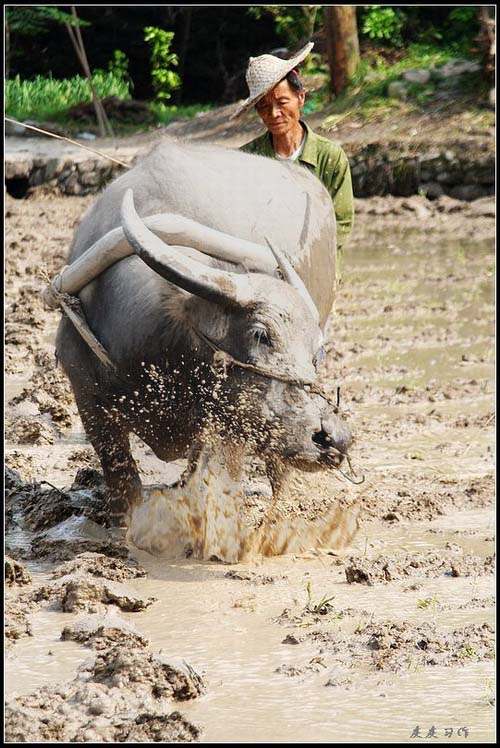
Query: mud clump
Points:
[66, 521]
[16, 622]
[395, 646]
[86, 593]
[16, 573]
[383, 568]
[251, 576]
[65, 550]
[124, 695]
[104, 631]
[427, 503]
[77, 588]
[43, 508]
[158, 728]
[26, 430]
[101, 566]
[401, 646]
[146, 674]
[82, 594]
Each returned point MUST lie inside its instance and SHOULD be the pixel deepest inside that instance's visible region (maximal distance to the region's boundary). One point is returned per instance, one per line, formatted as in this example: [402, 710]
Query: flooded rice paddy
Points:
[392, 635]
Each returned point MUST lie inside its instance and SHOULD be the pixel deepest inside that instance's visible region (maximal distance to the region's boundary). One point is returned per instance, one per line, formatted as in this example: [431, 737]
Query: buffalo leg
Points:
[110, 438]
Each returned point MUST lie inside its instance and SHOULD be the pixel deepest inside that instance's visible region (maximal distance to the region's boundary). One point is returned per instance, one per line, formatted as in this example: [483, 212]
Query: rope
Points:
[68, 140]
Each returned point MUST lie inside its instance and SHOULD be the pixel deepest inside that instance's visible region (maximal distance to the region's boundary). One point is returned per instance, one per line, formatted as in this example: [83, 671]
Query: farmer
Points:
[278, 95]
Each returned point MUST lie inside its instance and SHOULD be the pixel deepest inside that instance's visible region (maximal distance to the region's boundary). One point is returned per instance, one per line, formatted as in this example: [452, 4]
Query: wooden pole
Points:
[77, 41]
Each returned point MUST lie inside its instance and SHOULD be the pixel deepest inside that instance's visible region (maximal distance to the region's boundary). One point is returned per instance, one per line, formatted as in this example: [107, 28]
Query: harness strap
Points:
[72, 307]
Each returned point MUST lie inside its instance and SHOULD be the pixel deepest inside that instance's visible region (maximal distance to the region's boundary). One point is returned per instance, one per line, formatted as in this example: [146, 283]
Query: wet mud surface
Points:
[107, 643]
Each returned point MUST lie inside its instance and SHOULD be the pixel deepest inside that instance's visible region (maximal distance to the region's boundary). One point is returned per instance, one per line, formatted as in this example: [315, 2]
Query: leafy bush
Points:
[384, 24]
[118, 66]
[165, 80]
[463, 22]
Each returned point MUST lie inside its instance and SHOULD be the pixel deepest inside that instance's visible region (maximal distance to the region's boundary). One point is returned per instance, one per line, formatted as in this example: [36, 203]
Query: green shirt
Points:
[329, 163]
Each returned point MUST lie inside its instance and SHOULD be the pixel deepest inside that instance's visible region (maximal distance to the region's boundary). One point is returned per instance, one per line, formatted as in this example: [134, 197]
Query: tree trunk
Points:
[342, 44]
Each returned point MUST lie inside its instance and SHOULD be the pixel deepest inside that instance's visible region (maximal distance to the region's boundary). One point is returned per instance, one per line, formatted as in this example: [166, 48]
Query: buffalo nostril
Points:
[334, 434]
[322, 439]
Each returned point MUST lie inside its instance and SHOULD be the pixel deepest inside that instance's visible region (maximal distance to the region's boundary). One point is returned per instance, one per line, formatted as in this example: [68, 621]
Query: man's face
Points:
[280, 109]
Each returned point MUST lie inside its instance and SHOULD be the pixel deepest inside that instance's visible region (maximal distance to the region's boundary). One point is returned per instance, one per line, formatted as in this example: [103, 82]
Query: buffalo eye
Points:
[261, 336]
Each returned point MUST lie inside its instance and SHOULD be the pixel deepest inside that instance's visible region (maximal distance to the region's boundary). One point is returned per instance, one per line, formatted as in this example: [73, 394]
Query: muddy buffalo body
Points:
[208, 276]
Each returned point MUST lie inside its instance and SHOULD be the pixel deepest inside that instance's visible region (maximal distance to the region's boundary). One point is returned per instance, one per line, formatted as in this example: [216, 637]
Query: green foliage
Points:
[322, 607]
[383, 23]
[118, 67]
[429, 602]
[34, 20]
[48, 98]
[165, 80]
[293, 23]
[463, 22]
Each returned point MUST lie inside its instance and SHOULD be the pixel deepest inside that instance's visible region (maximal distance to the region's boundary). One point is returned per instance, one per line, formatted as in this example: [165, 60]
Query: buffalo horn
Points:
[169, 261]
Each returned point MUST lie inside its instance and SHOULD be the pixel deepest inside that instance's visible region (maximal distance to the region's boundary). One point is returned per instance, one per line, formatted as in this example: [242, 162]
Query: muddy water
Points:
[413, 353]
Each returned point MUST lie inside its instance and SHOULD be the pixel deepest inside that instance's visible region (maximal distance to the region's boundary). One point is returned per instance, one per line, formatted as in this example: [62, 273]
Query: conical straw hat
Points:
[265, 72]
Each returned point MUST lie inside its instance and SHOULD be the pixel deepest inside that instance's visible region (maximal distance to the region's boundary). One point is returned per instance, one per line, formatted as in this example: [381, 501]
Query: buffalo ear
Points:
[291, 276]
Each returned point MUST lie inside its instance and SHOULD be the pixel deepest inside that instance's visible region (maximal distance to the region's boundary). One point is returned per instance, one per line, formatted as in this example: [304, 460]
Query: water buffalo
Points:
[208, 275]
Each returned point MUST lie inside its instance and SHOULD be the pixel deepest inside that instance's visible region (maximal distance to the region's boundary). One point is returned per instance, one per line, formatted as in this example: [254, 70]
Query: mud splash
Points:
[201, 517]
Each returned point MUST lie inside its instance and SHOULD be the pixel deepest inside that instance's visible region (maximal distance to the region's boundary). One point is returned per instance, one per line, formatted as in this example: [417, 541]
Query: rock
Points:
[397, 90]
[72, 186]
[454, 68]
[417, 76]
[86, 136]
[91, 178]
[432, 190]
[469, 191]
[86, 166]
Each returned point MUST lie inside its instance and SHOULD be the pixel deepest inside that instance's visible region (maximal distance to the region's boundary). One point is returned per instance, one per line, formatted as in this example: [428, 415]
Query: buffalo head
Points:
[269, 326]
